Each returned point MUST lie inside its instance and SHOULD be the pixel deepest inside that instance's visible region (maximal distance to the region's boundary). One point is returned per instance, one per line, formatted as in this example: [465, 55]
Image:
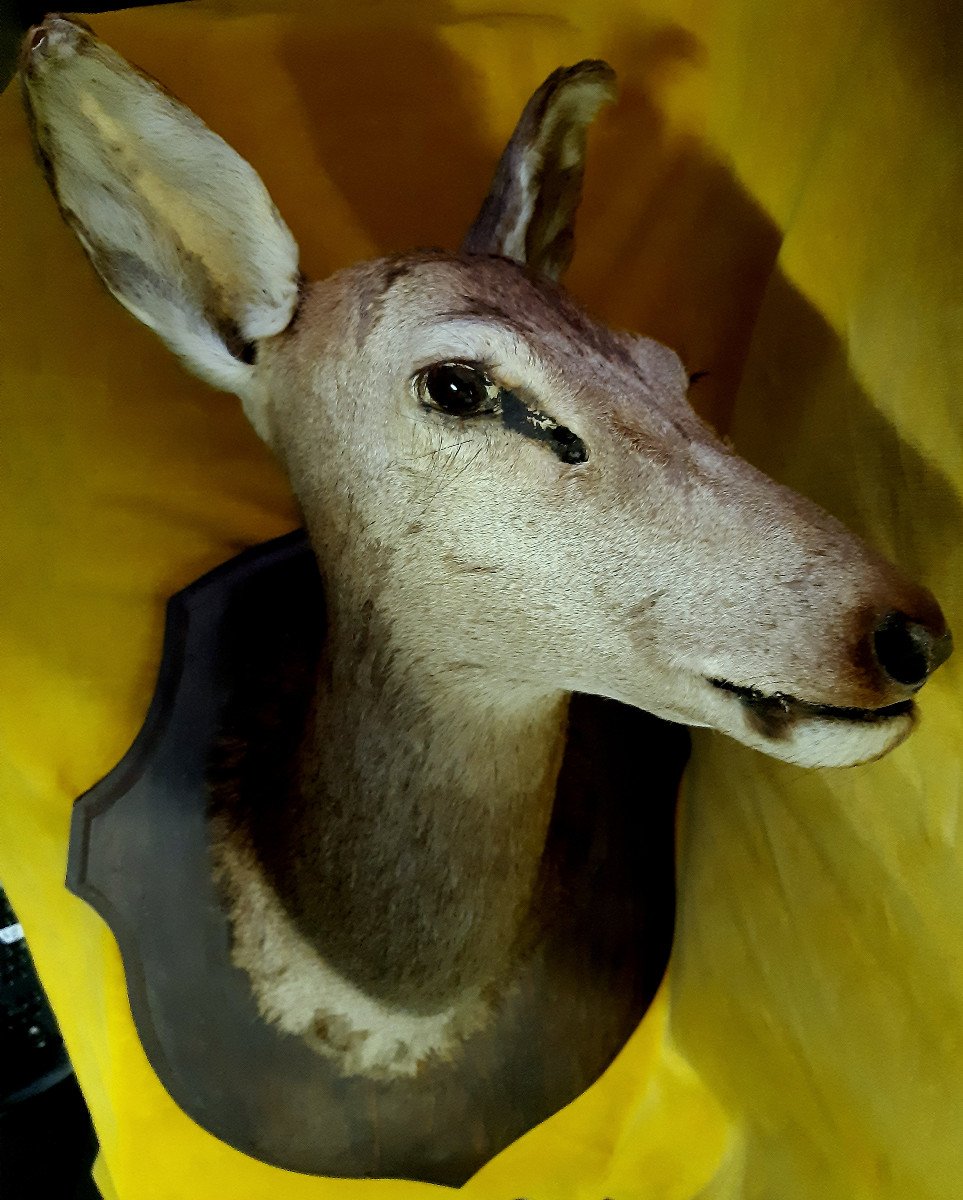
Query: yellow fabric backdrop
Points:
[777, 195]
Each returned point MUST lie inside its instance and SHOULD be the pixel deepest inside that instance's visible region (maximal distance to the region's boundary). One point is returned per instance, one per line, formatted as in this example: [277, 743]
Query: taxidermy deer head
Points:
[508, 501]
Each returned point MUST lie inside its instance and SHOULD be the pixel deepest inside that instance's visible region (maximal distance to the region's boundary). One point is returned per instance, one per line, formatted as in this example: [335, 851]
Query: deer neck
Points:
[411, 852]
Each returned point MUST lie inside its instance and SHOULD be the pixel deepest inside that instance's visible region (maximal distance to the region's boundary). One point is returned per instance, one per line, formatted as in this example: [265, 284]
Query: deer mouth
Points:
[773, 714]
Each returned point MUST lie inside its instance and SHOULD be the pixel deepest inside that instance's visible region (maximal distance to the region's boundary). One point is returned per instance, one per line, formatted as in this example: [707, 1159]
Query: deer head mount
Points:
[509, 503]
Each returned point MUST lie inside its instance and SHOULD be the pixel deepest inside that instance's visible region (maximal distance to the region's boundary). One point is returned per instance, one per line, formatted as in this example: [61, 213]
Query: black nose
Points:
[908, 651]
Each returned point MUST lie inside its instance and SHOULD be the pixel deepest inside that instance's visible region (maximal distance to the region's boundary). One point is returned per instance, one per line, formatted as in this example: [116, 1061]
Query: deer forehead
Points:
[375, 326]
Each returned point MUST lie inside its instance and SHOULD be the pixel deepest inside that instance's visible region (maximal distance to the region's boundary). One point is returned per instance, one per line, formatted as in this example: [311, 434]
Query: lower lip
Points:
[773, 714]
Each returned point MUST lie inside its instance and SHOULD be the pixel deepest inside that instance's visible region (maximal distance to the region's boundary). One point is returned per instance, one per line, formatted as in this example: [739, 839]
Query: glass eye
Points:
[458, 389]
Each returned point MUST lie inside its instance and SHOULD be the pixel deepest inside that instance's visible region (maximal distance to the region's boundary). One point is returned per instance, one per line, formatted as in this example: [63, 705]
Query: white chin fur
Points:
[825, 741]
[805, 739]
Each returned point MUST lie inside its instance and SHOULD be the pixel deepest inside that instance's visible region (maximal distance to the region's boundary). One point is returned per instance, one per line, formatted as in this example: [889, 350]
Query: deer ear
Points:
[179, 226]
[529, 214]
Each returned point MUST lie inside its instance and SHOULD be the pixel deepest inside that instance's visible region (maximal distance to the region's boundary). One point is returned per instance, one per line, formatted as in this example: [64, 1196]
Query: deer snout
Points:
[848, 705]
[908, 650]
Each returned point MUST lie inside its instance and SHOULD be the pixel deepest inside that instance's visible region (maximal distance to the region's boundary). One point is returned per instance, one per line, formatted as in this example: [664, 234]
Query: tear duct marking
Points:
[530, 423]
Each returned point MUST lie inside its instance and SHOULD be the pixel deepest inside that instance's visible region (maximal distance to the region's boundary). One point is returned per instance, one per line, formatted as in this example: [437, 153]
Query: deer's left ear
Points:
[529, 214]
[177, 224]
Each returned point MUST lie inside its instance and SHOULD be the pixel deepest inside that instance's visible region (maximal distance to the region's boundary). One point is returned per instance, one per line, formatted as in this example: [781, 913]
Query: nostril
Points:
[907, 651]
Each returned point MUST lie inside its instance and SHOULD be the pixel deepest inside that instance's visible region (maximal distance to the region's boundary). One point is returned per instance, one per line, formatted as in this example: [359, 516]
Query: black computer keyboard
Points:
[32, 1055]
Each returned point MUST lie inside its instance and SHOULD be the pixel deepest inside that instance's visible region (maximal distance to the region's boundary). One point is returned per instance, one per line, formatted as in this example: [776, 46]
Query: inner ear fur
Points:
[179, 227]
[529, 213]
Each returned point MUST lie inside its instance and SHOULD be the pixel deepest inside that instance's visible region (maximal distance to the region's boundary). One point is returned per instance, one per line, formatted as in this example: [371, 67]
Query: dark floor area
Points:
[47, 1146]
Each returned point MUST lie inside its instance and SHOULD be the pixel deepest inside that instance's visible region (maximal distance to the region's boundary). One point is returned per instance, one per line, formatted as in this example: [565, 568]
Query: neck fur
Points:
[384, 832]
[425, 791]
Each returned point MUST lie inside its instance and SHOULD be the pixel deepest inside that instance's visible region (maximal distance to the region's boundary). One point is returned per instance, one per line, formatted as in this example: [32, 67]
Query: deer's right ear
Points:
[179, 226]
[529, 213]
